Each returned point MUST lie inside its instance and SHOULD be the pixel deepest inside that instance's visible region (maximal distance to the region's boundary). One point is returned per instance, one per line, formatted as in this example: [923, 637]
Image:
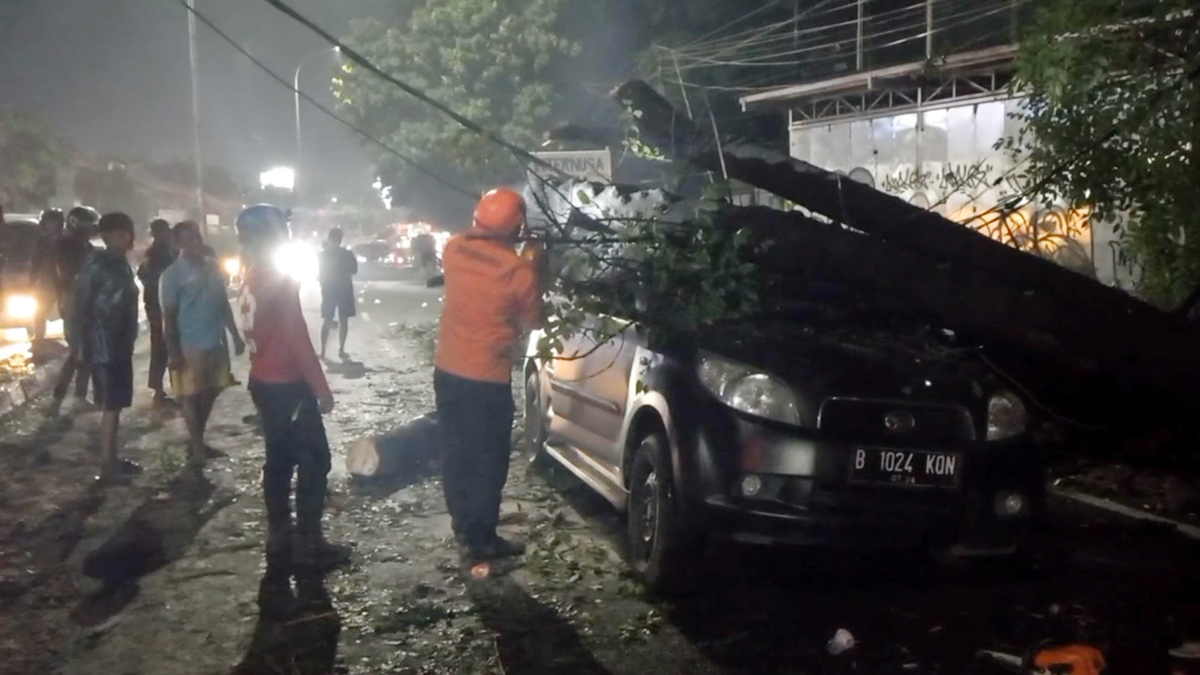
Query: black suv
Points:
[807, 427]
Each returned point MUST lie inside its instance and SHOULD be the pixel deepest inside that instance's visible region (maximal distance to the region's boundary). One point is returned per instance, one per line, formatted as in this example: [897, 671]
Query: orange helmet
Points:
[500, 211]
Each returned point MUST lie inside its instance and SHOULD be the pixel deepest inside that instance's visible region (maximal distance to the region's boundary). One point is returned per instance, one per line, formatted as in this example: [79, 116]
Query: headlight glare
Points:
[1006, 416]
[20, 307]
[232, 266]
[748, 390]
[297, 260]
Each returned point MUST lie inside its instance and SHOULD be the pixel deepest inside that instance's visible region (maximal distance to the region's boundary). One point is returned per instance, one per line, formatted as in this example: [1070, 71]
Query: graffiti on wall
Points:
[1056, 233]
[955, 178]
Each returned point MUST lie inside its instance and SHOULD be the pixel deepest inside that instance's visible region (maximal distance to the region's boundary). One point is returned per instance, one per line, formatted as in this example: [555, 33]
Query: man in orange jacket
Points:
[492, 300]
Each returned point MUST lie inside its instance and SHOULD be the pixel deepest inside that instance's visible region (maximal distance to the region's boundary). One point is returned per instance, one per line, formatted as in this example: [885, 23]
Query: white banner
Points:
[594, 165]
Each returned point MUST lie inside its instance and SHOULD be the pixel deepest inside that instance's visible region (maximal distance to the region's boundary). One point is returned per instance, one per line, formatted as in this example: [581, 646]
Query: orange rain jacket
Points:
[492, 298]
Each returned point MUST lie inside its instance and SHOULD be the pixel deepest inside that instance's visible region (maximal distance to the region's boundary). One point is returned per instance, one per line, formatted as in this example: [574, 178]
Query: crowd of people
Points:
[492, 299]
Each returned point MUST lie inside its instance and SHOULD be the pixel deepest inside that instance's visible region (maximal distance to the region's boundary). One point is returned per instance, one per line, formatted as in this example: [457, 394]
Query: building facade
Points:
[929, 132]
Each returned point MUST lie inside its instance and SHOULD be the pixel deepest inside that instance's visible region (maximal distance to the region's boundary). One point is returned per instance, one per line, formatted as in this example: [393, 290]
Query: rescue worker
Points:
[290, 392]
[492, 300]
[73, 249]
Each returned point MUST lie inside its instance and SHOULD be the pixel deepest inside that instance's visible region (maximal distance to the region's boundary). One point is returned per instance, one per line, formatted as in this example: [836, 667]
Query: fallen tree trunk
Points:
[967, 279]
[408, 453]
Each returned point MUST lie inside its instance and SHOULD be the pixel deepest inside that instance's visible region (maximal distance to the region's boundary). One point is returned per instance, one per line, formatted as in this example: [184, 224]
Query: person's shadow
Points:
[531, 638]
[298, 626]
[156, 534]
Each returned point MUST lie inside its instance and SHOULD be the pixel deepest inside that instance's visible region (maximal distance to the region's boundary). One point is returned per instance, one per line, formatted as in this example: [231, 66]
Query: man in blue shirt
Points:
[196, 314]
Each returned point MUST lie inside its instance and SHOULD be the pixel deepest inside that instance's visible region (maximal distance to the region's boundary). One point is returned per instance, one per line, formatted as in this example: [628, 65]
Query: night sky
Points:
[111, 76]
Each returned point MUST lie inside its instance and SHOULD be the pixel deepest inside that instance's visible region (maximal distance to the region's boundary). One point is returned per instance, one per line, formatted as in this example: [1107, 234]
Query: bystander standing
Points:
[159, 256]
[290, 392]
[44, 270]
[73, 249]
[338, 267]
[105, 316]
[196, 315]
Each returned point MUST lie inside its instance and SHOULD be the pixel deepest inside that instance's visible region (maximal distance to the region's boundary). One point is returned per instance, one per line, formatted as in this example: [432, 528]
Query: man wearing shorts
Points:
[196, 314]
[338, 267]
[105, 316]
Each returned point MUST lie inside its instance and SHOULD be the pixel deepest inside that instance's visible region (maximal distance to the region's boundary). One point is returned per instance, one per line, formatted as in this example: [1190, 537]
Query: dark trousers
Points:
[475, 423]
[158, 352]
[74, 368]
[46, 298]
[296, 444]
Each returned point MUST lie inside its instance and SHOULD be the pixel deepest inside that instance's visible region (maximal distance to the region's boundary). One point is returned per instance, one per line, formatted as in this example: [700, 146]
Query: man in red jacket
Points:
[492, 300]
[290, 391]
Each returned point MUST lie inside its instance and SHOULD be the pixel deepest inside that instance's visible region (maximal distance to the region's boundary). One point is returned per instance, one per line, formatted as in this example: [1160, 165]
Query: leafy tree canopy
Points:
[1113, 122]
[487, 59]
[29, 157]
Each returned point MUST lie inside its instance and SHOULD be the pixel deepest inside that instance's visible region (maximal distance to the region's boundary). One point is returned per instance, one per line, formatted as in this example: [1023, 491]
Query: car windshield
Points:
[18, 240]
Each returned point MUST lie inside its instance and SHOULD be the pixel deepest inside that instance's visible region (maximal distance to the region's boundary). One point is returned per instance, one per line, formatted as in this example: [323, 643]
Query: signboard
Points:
[593, 165]
[212, 220]
[172, 215]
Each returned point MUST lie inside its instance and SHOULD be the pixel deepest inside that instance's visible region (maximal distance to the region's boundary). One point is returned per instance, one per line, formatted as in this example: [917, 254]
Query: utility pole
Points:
[858, 38]
[928, 29]
[296, 100]
[196, 156]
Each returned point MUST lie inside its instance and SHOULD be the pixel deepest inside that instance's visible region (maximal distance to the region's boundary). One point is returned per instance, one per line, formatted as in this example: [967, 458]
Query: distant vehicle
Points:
[18, 302]
[814, 426]
[377, 251]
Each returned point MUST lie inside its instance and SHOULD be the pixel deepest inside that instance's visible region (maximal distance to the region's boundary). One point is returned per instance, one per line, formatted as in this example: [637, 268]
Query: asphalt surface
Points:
[178, 583]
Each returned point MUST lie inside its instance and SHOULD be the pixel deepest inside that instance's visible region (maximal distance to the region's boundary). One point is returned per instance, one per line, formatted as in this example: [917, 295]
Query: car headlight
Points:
[749, 390]
[1006, 416]
[21, 307]
[232, 266]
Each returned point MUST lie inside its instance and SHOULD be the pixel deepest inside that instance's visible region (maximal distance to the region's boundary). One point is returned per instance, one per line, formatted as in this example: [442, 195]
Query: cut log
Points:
[966, 278]
[409, 452]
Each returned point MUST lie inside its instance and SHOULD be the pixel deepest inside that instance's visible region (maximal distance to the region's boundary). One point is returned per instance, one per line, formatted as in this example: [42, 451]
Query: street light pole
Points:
[296, 99]
[196, 156]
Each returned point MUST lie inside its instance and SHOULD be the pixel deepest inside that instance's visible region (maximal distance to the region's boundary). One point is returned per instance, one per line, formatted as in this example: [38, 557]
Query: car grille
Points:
[864, 421]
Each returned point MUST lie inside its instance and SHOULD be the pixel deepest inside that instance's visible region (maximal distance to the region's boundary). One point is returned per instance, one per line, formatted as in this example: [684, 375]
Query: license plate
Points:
[905, 468]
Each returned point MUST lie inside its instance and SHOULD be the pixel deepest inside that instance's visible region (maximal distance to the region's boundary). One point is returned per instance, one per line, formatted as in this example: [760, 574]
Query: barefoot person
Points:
[196, 315]
[492, 299]
[290, 392]
[106, 317]
[338, 267]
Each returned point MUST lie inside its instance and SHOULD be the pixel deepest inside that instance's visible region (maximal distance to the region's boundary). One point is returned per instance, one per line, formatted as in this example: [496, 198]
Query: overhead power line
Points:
[420, 95]
[324, 109]
[763, 59]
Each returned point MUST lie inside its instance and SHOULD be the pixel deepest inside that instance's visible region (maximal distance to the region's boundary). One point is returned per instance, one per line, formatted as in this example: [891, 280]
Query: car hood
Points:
[863, 360]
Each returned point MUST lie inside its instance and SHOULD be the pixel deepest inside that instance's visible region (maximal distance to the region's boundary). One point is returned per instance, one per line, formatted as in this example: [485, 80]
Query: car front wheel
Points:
[535, 418]
[664, 553]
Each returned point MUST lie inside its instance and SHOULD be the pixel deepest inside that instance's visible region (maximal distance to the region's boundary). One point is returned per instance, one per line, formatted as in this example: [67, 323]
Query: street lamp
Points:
[296, 95]
[196, 157]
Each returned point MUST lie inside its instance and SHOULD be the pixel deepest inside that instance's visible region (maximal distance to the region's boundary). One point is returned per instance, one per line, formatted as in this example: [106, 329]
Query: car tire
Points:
[664, 553]
[536, 428]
